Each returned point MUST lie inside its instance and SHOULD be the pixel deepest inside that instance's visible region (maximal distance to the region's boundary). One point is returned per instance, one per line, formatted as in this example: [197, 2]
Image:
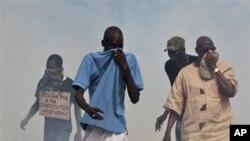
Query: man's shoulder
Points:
[169, 63]
[192, 58]
[171, 67]
[68, 79]
[190, 67]
[67, 85]
[129, 54]
[90, 55]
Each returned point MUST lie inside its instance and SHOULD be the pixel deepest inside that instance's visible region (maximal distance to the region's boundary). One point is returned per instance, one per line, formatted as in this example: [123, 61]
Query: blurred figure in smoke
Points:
[53, 80]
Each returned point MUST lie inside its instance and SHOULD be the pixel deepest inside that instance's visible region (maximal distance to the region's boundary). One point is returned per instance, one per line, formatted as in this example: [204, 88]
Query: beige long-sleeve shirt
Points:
[206, 112]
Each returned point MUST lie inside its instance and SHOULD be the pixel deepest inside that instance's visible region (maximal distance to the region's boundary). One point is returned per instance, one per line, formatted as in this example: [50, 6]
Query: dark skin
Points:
[171, 120]
[204, 45]
[113, 38]
[181, 59]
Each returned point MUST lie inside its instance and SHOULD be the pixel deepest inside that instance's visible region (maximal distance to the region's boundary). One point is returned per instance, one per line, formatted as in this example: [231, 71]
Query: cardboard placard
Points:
[54, 104]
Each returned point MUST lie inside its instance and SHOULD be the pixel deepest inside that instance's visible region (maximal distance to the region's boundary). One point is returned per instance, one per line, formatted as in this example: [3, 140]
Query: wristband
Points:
[216, 70]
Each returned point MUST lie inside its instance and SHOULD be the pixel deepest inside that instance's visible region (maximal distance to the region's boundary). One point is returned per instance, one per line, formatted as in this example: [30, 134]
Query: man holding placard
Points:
[54, 96]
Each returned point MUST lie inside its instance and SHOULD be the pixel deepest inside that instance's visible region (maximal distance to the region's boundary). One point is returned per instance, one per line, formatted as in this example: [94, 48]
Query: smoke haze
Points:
[31, 30]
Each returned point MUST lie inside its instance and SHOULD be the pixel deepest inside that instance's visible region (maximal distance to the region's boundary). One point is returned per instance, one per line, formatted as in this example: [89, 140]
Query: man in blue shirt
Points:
[106, 75]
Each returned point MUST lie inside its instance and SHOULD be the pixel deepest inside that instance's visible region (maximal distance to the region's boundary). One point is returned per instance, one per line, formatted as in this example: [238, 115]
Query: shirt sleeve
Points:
[228, 73]
[82, 78]
[136, 73]
[175, 100]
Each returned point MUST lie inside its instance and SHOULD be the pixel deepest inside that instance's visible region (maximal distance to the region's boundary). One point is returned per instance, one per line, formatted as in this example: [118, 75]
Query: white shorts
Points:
[98, 134]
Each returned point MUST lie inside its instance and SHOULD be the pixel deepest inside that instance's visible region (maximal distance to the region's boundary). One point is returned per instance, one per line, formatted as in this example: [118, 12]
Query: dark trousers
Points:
[178, 129]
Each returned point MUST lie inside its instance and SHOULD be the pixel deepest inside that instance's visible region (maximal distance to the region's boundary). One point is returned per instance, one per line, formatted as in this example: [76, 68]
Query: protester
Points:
[178, 60]
[106, 75]
[202, 91]
[56, 87]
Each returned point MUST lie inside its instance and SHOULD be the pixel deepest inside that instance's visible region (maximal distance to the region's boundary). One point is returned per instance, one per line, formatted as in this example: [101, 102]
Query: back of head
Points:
[54, 61]
[113, 37]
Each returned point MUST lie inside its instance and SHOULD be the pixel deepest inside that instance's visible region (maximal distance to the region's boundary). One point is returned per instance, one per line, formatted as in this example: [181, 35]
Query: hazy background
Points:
[31, 30]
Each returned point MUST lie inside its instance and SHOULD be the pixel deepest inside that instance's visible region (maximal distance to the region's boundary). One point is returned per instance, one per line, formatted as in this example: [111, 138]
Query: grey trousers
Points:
[56, 136]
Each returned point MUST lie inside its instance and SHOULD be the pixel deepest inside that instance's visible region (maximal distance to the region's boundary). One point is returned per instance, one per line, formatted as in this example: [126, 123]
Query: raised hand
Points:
[211, 59]
[120, 59]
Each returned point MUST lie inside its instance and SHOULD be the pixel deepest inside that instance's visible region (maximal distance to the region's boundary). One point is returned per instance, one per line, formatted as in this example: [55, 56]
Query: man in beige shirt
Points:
[202, 91]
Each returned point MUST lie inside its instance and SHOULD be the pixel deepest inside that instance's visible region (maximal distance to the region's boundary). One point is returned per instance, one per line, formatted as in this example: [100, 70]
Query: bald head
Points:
[113, 38]
[203, 45]
[204, 40]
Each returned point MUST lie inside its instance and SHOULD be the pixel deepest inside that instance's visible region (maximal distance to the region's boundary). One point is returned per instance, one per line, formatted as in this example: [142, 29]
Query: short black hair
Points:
[113, 37]
[201, 39]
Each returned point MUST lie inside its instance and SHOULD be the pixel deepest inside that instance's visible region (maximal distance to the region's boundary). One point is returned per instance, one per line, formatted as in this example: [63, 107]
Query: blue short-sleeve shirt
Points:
[101, 75]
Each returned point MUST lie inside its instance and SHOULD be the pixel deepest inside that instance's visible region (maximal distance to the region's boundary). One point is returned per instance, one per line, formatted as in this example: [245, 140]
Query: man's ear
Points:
[103, 43]
[196, 50]
[106, 44]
